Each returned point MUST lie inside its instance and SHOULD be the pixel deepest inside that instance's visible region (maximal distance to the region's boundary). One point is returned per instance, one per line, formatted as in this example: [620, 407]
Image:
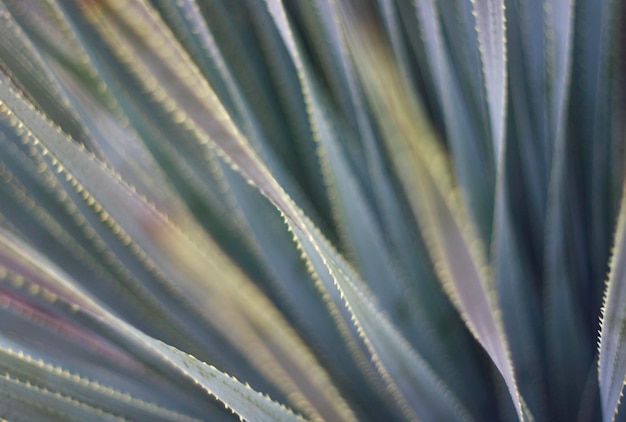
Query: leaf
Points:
[612, 354]
[382, 247]
[353, 215]
[477, 181]
[490, 25]
[596, 136]
[529, 111]
[241, 399]
[23, 369]
[31, 70]
[44, 404]
[129, 212]
[194, 92]
[512, 249]
[288, 283]
[453, 245]
[518, 299]
[569, 351]
[45, 314]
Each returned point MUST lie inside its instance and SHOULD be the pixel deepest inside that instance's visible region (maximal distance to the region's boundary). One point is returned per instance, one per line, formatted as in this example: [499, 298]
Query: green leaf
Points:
[612, 359]
[233, 146]
[457, 252]
[465, 137]
[45, 404]
[511, 248]
[238, 397]
[23, 369]
[418, 391]
[492, 44]
[125, 218]
[569, 351]
[383, 249]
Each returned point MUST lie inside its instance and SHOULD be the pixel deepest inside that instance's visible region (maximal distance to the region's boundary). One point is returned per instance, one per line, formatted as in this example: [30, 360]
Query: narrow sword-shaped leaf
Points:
[514, 282]
[33, 73]
[41, 315]
[528, 116]
[263, 223]
[596, 136]
[80, 167]
[612, 342]
[242, 157]
[305, 366]
[477, 181]
[384, 273]
[241, 399]
[41, 374]
[45, 404]
[492, 43]
[362, 234]
[612, 350]
[569, 352]
[457, 253]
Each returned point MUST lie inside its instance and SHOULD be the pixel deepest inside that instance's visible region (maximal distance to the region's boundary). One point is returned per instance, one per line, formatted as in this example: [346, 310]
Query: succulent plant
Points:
[312, 210]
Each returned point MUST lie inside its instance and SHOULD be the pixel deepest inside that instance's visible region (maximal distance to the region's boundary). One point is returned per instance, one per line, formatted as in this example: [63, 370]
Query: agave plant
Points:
[312, 210]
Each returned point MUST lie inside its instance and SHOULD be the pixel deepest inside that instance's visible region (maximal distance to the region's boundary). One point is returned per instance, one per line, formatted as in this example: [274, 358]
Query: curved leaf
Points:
[240, 398]
[453, 244]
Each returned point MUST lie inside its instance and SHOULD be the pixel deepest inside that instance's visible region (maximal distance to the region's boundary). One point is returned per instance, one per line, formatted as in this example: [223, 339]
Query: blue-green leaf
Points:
[612, 360]
[238, 397]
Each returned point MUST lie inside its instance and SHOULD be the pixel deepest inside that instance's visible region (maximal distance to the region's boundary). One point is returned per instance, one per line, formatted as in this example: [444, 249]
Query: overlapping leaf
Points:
[303, 206]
